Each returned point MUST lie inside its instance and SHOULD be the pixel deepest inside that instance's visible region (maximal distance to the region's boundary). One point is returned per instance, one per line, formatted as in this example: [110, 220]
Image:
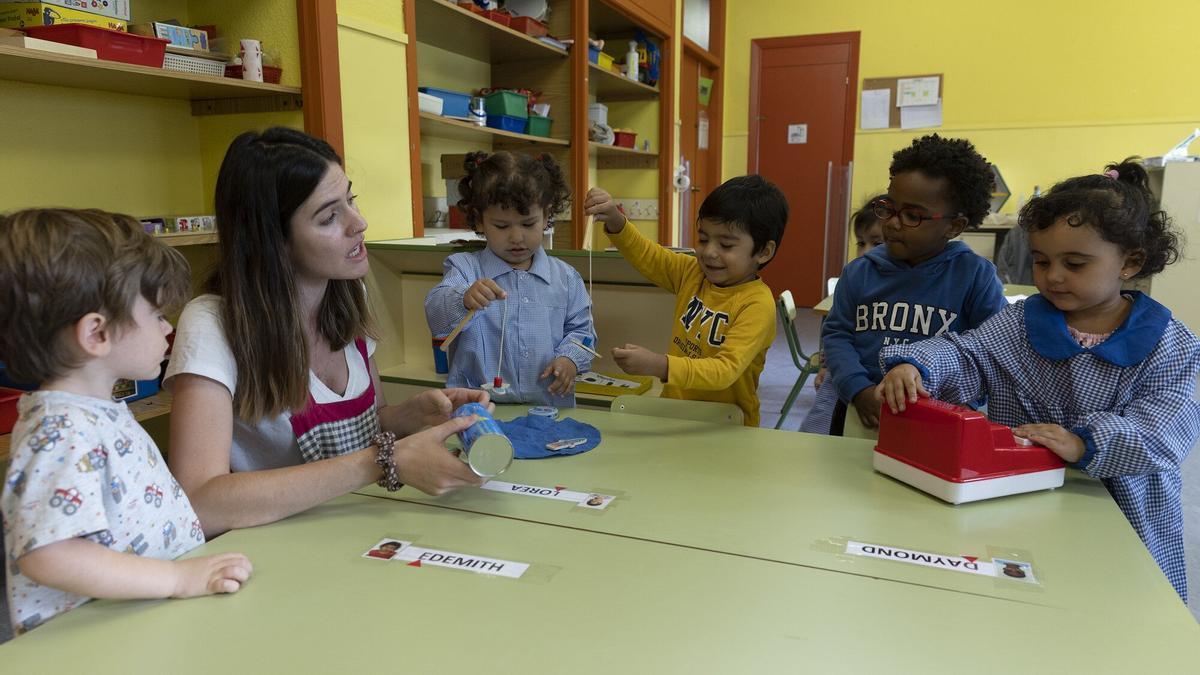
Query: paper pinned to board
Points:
[914, 91]
[875, 108]
[921, 116]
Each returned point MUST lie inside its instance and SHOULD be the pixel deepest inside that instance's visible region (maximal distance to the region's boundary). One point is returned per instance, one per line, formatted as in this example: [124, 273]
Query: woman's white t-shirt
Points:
[201, 348]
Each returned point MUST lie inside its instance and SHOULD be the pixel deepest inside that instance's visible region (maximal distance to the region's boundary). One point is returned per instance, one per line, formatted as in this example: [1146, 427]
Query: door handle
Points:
[825, 235]
[695, 189]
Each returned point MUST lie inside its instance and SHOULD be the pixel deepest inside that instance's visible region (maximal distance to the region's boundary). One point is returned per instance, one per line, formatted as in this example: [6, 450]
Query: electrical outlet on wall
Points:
[639, 209]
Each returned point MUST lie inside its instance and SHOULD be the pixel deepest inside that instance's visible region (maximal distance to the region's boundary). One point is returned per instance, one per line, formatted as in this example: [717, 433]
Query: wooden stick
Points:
[457, 329]
[585, 348]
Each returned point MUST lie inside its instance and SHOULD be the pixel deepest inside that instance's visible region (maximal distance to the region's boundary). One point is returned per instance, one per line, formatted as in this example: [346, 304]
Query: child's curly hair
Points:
[968, 175]
[1119, 205]
[512, 180]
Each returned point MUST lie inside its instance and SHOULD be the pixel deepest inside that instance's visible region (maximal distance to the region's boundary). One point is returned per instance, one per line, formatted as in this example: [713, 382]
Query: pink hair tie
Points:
[1112, 173]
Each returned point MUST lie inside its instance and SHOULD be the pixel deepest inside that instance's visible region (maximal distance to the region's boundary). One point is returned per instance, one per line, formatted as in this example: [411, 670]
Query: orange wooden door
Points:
[695, 139]
[802, 138]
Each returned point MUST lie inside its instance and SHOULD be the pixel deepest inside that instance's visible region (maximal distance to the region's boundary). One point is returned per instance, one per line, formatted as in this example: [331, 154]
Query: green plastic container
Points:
[539, 126]
[507, 103]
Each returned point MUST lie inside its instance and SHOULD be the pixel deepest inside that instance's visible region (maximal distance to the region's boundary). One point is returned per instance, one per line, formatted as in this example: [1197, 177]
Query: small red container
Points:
[472, 7]
[529, 26]
[8, 408]
[499, 17]
[624, 139]
[457, 219]
[110, 45]
[271, 74]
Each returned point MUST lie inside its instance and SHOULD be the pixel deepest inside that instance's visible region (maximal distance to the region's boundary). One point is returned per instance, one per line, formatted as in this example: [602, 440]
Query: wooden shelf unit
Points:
[611, 86]
[38, 67]
[187, 238]
[446, 25]
[448, 127]
[567, 80]
[613, 157]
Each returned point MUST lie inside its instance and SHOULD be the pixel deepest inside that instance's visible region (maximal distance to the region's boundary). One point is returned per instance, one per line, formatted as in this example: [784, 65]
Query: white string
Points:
[503, 330]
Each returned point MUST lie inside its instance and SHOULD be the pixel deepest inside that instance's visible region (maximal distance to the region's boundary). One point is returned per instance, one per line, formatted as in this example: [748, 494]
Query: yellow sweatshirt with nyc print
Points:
[719, 336]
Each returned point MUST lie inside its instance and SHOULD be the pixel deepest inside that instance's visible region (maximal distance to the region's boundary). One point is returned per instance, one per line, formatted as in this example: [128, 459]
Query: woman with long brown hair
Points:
[278, 405]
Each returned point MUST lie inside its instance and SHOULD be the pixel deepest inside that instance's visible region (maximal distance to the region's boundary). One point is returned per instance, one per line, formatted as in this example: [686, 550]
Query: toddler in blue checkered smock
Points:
[1101, 376]
[528, 305]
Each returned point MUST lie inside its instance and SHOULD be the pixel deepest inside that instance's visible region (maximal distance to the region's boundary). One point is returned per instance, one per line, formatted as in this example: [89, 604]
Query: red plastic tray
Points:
[499, 17]
[529, 26]
[271, 74]
[110, 45]
[8, 408]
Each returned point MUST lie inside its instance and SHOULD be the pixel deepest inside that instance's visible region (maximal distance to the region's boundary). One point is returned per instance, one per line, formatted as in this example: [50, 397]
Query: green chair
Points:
[807, 364]
[700, 411]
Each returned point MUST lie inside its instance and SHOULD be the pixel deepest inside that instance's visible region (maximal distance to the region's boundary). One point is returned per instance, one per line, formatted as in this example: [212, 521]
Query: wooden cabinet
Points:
[454, 48]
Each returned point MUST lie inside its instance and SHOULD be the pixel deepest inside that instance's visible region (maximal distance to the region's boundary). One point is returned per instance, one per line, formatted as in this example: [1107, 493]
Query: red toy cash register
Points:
[958, 455]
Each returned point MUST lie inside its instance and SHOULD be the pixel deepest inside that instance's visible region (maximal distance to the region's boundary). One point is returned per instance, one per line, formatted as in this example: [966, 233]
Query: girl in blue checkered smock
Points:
[1101, 376]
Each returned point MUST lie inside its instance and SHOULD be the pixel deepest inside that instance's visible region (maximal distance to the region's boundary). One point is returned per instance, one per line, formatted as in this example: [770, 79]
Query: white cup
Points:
[251, 54]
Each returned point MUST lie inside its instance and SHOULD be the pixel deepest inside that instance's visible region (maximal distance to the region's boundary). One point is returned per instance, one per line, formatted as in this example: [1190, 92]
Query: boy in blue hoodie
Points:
[919, 284]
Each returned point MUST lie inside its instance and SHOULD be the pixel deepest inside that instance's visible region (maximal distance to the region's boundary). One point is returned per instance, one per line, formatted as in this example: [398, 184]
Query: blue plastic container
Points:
[454, 103]
[593, 55]
[441, 362]
[134, 390]
[507, 123]
[485, 447]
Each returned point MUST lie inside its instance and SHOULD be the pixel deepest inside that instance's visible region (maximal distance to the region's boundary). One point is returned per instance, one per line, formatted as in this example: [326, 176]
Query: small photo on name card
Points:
[386, 549]
[596, 501]
[1015, 570]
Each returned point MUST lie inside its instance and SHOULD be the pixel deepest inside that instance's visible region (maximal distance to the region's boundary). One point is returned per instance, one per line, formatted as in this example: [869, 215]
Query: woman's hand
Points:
[424, 462]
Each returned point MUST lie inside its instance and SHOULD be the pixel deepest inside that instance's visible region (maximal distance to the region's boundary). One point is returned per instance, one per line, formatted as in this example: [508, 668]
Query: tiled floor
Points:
[780, 374]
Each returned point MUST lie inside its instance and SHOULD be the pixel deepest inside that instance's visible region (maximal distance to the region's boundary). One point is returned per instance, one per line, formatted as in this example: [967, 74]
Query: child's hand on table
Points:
[1061, 442]
[637, 360]
[482, 293]
[600, 204]
[901, 385]
[206, 575]
[563, 370]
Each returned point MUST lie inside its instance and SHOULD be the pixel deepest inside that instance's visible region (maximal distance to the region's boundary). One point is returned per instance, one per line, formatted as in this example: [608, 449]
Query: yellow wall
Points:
[371, 50]
[139, 155]
[1045, 90]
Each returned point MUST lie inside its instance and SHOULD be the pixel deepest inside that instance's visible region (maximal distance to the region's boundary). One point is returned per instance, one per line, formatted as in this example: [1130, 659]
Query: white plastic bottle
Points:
[631, 61]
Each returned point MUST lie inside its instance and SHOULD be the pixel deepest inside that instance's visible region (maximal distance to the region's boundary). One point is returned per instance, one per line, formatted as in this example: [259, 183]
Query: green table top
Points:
[599, 604]
[796, 498]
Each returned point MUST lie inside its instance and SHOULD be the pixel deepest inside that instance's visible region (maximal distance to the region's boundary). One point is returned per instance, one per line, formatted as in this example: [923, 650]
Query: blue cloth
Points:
[820, 415]
[881, 301]
[548, 306]
[1129, 398]
[530, 434]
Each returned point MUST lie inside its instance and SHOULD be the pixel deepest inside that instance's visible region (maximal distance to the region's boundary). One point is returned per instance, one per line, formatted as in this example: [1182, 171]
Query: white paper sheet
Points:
[875, 108]
[916, 91]
[921, 116]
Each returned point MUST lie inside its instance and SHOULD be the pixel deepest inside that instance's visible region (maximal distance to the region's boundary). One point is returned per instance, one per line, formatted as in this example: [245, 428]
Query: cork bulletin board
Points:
[889, 83]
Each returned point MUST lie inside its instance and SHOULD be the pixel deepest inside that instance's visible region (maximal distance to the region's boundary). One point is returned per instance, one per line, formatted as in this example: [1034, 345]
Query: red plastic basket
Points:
[529, 26]
[8, 408]
[110, 45]
[271, 74]
[499, 17]
[624, 139]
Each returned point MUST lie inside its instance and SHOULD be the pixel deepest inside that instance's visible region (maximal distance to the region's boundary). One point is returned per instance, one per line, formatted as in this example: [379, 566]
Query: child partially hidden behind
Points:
[90, 508]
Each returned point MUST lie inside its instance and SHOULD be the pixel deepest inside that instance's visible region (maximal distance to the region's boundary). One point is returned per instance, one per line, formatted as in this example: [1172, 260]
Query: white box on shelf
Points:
[598, 112]
[428, 103]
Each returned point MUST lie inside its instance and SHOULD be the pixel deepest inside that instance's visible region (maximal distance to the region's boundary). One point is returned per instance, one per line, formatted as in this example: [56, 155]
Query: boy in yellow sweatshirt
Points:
[724, 314]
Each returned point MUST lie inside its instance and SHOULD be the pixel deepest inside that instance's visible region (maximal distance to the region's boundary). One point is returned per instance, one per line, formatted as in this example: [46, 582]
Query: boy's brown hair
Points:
[57, 265]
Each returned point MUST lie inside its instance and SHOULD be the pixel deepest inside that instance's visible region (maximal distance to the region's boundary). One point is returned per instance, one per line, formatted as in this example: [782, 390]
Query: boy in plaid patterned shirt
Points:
[1103, 378]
